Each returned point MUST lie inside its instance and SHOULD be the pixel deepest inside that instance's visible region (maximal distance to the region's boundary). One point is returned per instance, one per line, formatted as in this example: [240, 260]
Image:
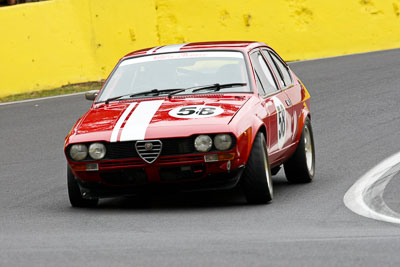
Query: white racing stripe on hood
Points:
[114, 134]
[136, 126]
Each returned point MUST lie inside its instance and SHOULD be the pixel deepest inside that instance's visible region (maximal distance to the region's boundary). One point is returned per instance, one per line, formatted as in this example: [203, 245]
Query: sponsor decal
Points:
[195, 112]
[281, 121]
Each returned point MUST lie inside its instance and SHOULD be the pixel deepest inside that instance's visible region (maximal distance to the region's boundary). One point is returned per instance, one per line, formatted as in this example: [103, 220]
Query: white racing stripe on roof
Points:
[170, 48]
[191, 54]
[221, 45]
[136, 126]
[152, 50]
[117, 127]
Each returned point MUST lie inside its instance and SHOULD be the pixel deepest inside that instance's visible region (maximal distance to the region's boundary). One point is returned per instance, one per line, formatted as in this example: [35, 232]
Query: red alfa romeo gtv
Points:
[197, 116]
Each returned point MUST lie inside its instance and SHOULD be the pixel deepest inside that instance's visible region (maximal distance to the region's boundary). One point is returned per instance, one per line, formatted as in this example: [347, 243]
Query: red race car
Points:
[197, 116]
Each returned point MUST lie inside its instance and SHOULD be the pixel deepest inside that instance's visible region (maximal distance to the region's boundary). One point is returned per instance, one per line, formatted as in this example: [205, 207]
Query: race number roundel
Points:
[195, 112]
[281, 121]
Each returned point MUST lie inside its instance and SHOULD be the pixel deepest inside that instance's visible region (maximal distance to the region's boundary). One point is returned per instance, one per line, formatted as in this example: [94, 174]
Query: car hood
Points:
[157, 118]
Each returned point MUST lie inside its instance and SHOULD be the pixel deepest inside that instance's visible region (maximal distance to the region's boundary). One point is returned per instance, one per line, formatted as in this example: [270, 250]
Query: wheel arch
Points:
[262, 128]
[305, 113]
[258, 126]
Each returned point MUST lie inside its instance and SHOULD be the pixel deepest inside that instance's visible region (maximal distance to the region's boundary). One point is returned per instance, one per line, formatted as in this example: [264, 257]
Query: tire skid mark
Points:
[365, 197]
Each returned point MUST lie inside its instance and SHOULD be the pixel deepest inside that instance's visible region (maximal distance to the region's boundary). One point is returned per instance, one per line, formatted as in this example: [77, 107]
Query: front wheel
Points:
[257, 180]
[74, 193]
[300, 168]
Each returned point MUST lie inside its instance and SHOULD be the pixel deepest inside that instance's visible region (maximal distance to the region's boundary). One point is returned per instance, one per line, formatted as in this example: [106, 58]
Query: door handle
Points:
[288, 102]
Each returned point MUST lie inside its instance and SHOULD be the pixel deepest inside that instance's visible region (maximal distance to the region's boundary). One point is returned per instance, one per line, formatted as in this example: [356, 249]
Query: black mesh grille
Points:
[177, 146]
[121, 150]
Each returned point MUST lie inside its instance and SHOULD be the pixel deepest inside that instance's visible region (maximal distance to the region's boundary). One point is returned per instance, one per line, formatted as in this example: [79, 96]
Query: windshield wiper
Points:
[217, 86]
[153, 91]
[173, 91]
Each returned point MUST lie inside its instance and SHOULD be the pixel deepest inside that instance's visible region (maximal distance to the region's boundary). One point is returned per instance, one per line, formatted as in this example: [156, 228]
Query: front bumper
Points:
[222, 181]
[169, 173]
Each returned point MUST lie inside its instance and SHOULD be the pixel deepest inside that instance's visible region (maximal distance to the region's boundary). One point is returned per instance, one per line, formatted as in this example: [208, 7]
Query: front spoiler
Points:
[220, 181]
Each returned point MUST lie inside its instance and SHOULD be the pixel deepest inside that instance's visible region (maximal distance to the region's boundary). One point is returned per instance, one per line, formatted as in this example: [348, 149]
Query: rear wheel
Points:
[257, 179]
[74, 193]
[300, 167]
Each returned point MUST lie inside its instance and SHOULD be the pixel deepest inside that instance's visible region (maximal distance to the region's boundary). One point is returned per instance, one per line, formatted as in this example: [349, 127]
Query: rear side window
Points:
[274, 67]
[287, 78]
[263, 74]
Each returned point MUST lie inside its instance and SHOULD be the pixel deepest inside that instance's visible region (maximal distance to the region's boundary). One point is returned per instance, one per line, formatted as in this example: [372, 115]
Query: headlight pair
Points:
[80, 151]
[203, 143]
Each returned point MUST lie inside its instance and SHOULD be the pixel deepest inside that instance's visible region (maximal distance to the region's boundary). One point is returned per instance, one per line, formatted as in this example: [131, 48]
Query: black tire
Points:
[257, 179]
[297, 169]
[74, 193]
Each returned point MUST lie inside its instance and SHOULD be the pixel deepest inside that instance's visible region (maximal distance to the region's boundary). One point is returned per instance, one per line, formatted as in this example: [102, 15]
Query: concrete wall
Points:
[52, 43]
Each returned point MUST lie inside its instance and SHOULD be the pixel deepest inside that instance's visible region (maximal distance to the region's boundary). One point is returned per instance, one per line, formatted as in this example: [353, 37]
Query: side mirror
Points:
[91, 95]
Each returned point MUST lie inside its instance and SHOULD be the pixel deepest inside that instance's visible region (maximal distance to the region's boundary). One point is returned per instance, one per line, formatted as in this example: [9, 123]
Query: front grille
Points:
[170, 147]
[177, 146]
[121, 150]
[126, 150]
[149, 150]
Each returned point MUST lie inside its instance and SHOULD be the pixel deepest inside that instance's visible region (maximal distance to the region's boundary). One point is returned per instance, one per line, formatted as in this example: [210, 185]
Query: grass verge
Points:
[63, 90]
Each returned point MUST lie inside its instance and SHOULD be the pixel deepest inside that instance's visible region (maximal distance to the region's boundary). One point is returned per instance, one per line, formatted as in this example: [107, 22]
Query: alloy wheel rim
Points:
[308, 147]
[268, 175]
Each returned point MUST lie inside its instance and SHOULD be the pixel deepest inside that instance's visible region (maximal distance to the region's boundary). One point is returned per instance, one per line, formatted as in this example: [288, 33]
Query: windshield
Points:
[177, 70]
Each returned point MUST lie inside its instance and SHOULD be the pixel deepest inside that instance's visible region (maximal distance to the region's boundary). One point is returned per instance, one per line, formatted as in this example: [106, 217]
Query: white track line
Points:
[365, 197]
[38, 99]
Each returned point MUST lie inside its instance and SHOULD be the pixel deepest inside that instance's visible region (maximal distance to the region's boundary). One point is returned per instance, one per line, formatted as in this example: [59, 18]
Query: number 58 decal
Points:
[193, 112]
[281, 121]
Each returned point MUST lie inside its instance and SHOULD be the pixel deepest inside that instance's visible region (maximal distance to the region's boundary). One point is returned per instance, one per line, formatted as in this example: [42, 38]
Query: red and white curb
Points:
[365, 197]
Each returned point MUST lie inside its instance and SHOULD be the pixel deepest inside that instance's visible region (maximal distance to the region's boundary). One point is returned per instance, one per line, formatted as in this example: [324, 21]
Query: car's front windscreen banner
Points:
[181, 55]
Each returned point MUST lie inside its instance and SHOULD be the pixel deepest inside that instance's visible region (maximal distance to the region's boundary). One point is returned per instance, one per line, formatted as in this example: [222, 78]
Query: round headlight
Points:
[78, 152]
[203, 143]
[222, 141]
[97, 150]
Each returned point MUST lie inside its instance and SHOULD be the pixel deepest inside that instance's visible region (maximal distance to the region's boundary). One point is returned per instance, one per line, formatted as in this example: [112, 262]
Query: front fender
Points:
[247, 136]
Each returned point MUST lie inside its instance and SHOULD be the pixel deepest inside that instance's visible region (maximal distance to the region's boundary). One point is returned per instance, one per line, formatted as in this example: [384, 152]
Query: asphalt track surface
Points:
[356, 123]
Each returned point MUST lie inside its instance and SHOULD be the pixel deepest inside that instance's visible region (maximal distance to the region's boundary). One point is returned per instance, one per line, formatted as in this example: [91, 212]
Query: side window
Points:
[266, 71]
[263, 74]
[284, 70]
[259, 84]
[278, 74]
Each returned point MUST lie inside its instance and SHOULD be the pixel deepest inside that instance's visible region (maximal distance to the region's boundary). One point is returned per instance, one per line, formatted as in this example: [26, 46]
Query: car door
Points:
[291, 88]
[274, 102]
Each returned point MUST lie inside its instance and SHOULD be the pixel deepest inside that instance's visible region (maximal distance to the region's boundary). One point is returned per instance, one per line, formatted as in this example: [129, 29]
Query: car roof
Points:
[243, 46]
